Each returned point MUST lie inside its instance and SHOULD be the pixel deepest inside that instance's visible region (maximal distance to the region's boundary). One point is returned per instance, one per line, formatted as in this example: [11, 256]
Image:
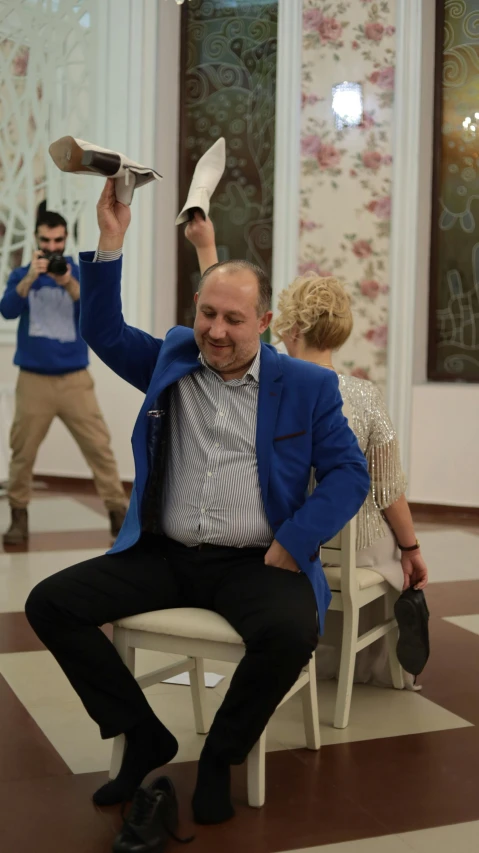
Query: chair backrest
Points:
[341, 551]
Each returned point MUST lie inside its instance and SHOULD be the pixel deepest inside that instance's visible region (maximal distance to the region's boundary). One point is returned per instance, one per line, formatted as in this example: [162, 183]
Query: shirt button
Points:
[221, 414]
[209, 474]
[217, 444]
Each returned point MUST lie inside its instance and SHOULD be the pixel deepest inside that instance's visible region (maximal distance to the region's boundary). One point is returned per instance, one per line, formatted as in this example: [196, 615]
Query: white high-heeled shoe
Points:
[207, 175]
[84, 158]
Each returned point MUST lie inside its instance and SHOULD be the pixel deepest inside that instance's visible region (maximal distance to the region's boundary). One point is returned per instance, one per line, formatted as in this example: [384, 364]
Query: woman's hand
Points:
[415, 569]
[200, 232]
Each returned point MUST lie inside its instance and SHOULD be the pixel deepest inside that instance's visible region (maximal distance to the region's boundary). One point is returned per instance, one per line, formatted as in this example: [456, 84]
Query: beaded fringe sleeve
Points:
[377, 439]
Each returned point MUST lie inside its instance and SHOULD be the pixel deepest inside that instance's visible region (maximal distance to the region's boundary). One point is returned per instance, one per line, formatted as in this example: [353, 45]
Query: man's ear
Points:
[265, 320]
[196, 297]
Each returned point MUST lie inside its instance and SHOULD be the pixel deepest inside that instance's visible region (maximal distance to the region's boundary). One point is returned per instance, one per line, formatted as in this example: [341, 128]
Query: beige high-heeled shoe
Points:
[207, 175]
[84, 158]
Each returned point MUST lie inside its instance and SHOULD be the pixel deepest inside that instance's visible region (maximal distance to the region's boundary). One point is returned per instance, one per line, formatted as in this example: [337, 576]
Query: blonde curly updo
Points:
[318, 309]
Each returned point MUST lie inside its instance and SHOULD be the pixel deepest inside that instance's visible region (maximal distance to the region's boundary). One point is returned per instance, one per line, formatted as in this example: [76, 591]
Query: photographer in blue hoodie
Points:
[53, 380]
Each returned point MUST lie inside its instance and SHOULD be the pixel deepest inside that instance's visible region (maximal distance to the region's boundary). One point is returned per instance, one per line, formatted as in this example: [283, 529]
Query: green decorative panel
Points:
[454, 308]
[228, 83]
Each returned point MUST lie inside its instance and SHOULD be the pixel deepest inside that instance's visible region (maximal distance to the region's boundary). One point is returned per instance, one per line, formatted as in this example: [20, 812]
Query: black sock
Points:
[211, 800]
[148, 745]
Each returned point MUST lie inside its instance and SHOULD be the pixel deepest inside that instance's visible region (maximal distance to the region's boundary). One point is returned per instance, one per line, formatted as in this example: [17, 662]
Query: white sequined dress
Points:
[375, 545]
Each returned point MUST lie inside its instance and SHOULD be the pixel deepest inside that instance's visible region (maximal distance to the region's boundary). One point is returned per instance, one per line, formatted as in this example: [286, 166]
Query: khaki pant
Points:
[71, 397]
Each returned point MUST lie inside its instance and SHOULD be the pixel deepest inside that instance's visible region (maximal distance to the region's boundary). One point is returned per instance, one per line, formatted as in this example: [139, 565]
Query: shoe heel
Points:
[66, 154]
[105, 162]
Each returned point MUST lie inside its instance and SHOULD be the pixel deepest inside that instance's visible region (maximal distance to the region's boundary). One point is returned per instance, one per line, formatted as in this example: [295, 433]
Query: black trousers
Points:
[273, 610]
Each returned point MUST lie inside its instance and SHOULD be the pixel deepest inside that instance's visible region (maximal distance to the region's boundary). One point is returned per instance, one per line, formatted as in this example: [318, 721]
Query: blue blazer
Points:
[300, 426]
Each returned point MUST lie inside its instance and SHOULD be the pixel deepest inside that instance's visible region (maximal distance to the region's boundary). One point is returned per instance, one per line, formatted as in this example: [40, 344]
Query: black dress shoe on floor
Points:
[412, 617]
[151, 821]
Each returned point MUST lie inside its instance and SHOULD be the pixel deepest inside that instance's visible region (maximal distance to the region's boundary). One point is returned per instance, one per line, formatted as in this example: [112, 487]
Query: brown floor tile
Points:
[16, 635]
[66, 540]
[345, 792]
[409, 782]
[453, 598]
[55, 815]
[25, 752]
[451, 677]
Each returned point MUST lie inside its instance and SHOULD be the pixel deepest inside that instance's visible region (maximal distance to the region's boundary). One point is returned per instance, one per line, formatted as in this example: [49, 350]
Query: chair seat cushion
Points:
[366, 577]
[191, 622]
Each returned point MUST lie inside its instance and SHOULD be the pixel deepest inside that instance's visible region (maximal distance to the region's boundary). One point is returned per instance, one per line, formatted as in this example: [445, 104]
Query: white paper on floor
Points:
[211, 679]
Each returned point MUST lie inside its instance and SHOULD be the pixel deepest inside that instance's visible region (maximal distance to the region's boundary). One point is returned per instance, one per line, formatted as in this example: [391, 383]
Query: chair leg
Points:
[309, 698]
[395, 667]
[256, 769]
[127, 654]
[198, 695]
[346, 666]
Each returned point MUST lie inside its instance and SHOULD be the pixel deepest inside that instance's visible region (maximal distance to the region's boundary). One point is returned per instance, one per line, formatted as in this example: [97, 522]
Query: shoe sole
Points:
[70, 157]
[412, 647]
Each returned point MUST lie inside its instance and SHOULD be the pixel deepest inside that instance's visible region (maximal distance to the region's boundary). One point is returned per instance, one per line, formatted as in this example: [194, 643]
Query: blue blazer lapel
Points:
[170, 368]
[269, 399]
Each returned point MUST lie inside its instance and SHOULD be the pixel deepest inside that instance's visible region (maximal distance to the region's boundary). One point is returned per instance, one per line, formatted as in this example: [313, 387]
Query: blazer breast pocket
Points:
[289, 435]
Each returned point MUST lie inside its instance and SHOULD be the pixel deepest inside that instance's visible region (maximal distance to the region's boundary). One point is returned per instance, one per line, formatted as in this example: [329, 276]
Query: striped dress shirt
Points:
[211, 490]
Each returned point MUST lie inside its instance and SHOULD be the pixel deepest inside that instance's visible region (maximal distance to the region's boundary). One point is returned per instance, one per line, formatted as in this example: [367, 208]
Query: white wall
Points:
[444, 451]
[444, 445]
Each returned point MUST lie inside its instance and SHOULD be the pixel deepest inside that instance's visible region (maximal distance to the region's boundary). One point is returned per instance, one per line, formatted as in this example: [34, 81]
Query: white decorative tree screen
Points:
[46, 60]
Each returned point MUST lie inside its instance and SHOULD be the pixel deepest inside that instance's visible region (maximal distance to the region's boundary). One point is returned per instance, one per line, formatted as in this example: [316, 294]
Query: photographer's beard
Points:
[48, 253]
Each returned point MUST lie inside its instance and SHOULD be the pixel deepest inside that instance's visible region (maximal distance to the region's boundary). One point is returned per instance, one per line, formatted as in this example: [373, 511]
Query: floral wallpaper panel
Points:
[346, 174]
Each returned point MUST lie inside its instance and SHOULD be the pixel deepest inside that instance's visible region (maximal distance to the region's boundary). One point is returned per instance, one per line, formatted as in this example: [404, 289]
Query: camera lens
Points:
[57, 265]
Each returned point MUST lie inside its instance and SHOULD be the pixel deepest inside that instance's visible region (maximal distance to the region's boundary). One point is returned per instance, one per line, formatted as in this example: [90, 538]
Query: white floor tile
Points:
[384, 844]
[46, 693]
[451, 555]
[19, 573]
[56, 515]
[469, 623]
[376, 712]
[460, 838]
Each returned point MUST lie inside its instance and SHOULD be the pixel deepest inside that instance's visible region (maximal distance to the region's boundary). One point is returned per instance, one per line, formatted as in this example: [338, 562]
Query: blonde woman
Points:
[314, 320]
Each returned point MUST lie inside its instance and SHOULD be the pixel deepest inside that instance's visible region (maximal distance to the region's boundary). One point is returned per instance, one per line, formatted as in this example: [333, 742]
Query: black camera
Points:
[56, 263]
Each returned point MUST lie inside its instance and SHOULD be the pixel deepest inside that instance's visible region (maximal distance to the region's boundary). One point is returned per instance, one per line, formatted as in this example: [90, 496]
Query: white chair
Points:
[200, 634]
[352, 588]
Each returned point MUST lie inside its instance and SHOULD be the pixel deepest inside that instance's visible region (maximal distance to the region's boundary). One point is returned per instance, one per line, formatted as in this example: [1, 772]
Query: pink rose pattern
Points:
[346, 177]
[326, 29]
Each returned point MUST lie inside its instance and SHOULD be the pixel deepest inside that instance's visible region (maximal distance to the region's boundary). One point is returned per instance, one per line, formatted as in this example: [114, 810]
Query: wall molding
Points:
[411, 20]
[287, 145]
[125, 103]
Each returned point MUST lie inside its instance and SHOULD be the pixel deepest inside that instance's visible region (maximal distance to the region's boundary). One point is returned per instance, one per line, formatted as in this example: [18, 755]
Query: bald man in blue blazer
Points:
[219, 516]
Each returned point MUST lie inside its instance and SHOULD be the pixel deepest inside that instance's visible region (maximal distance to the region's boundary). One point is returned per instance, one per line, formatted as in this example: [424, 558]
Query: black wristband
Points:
[410, 547]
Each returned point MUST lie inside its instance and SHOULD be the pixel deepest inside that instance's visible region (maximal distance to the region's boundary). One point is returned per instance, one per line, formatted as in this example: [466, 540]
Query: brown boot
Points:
[117, 517]
[17, 533]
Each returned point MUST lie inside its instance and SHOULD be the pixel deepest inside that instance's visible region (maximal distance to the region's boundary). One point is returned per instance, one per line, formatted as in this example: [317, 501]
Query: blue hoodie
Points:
[48, 335]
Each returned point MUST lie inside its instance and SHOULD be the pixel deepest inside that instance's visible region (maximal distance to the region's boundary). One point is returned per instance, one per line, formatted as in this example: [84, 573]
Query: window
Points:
[227, 88]
[454, 290]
